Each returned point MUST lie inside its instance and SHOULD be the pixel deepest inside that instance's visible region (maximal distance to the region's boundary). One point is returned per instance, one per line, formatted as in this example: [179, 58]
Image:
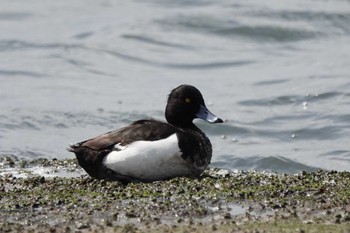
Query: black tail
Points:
[74, 147]
[90, 160]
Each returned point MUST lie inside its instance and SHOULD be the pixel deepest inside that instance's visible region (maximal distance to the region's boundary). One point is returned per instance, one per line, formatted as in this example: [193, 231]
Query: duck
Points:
[149, 150]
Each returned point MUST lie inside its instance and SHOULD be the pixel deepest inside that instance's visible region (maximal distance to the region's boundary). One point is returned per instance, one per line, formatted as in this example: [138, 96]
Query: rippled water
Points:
[277, 71]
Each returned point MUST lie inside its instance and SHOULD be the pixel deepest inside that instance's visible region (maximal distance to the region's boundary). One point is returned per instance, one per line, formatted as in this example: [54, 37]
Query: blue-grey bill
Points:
[206, 115]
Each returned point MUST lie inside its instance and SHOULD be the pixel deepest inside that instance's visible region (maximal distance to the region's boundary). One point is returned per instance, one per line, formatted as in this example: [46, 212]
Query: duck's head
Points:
[186, 103]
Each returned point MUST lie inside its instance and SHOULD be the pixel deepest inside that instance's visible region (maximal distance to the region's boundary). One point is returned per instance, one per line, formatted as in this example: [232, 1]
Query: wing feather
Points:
[145, 130]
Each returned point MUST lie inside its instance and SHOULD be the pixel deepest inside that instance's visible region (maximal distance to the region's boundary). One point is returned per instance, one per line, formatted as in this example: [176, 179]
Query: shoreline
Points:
[221, 201]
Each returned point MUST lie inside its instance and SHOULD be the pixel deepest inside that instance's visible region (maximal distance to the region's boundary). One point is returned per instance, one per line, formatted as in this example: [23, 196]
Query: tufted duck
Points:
[150, 150]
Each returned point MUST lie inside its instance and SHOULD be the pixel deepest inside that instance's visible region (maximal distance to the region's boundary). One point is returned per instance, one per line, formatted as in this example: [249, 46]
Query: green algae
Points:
[307, 201]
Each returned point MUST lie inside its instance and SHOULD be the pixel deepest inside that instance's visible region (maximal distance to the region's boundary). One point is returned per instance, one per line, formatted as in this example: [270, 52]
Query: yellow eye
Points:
[187, 100]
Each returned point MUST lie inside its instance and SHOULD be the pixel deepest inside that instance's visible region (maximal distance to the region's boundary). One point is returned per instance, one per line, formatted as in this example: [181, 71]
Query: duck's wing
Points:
[143, 130]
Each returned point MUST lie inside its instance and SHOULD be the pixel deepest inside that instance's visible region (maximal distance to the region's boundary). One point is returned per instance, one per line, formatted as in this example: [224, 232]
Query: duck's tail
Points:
[73, 147]
[90, 160]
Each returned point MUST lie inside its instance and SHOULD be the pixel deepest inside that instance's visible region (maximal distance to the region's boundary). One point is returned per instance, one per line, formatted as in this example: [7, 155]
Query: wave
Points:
[259, 163]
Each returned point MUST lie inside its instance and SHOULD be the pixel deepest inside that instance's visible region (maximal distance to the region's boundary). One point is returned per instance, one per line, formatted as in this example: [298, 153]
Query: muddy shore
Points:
[220, 201]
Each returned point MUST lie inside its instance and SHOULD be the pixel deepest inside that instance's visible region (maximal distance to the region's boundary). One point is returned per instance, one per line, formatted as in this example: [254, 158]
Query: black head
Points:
[186, 103]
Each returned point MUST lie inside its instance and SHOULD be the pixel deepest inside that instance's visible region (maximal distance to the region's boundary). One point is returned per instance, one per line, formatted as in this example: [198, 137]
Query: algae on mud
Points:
[219, 200]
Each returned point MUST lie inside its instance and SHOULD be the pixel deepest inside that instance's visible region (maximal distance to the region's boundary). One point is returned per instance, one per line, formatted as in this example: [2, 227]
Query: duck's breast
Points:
[149, 160]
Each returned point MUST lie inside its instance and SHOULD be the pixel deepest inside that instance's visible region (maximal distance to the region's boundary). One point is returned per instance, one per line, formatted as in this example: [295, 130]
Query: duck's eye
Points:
[187, 100]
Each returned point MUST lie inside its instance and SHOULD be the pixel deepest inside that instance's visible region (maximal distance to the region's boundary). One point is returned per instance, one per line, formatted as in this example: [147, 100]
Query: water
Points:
[277, 71]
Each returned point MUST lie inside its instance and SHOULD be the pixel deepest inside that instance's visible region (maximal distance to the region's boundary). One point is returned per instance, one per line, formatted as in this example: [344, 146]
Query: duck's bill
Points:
[206, 115]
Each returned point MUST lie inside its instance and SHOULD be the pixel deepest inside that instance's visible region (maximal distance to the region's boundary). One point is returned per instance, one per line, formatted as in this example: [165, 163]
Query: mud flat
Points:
[54, 196]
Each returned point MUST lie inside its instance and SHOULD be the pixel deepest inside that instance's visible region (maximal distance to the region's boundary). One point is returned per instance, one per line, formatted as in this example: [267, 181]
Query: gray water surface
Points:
[277, 71]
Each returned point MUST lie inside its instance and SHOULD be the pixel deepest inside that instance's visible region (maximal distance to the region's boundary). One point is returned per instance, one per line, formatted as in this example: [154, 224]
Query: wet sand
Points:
[219, 201]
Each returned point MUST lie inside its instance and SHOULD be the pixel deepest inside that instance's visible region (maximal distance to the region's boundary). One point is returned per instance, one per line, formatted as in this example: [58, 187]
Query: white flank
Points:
[150, 160]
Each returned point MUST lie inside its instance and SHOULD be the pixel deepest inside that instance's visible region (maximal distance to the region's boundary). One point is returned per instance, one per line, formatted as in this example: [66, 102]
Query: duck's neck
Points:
[189, 125]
